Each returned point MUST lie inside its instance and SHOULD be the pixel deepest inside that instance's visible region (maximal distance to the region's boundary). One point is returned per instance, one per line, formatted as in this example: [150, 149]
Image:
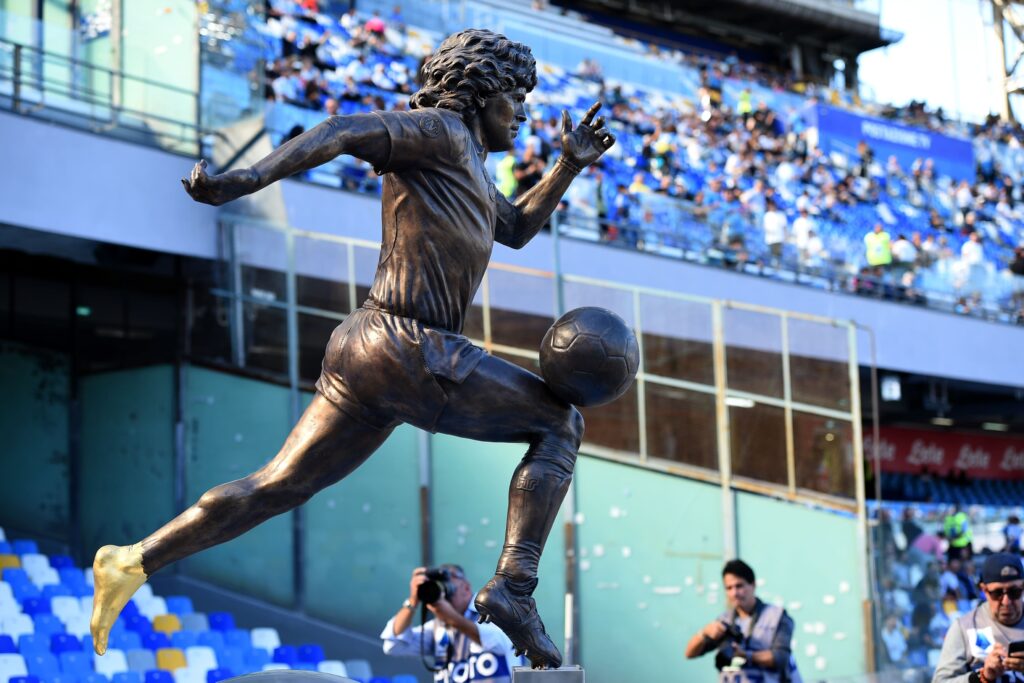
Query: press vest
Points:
[878, 251]
[762, 635]
[957, 530]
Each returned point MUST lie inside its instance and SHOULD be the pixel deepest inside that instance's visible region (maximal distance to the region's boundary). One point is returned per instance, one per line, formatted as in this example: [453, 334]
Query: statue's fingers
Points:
[566, 122]
[188, 188]
[602, 133]
[609, 140]
[599, 122]
[197, 172]
[589, 116]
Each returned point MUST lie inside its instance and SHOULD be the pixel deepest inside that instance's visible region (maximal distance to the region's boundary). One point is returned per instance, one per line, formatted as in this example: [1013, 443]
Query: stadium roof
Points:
[829, 24]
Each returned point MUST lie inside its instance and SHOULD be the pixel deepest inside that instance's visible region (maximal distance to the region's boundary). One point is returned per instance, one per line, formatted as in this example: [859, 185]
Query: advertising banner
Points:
[915, 451]
[840, 131]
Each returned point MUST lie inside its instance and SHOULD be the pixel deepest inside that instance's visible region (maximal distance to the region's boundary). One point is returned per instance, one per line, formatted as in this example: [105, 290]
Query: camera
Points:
[732, 632]
[438, 585]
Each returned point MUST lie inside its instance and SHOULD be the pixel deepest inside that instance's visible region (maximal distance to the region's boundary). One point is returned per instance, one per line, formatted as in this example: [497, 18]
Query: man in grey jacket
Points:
[976, 649]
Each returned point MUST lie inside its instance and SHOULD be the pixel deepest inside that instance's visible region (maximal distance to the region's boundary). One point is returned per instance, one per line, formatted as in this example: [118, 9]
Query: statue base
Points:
[565, 674]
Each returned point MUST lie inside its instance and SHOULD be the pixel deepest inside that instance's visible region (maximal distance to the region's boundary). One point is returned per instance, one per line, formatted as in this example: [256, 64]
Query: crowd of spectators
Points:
[742, 186]
[926, 578]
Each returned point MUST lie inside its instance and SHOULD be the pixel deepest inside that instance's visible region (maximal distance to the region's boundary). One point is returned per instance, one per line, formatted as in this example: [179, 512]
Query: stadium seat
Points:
[170, 658]
[332, 666]
[196, 621]
[217, 675]
[137, 623]
[76, 663]
[62, 642]
[47, 624]
[214, 639]
[167, 623]
[266, 638]
[126, 677]
[112, 662]
[140, 660]
[233, 659]
[5, 548]
[24, 591]
[152, 607]
[34, 606]
[286, 654]
[54, 590]
[13, 573]
[9, 561]
[25, 547]
[30, 644]
[256, 659]
[126, 640]
[12, 665]
[93, 677]
[61, 562]
[238, 637]
[34, 562]
[155, 640]
[404, 678]
[380, 679]
[65, 606]
[144, 592]
[20, 679]
[179, 604]
[221, 621]
[45, 577]
[17, 625]
[159, 676]
[42, 664]
[358, 668]
[201, 657]
[189, 675]
[184, 639]
[276, 666]
[311, 652]
[5, 591]
[7, 645]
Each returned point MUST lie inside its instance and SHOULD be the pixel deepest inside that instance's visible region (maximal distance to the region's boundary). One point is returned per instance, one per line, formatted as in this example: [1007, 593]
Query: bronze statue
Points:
[401, 357]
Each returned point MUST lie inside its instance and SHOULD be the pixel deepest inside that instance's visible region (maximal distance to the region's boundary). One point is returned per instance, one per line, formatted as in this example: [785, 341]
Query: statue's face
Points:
[501, 117]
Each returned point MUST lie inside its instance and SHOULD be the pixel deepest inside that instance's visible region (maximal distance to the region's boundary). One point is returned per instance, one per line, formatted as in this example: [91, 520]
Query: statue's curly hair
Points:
[471, 66]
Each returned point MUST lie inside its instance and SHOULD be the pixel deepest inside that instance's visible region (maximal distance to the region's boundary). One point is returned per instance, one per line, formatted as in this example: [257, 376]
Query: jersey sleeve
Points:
[423, 138]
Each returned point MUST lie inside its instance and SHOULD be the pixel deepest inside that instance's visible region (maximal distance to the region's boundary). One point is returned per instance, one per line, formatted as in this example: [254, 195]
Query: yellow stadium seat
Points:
[170, 658]
[10, 562]
[167, 623]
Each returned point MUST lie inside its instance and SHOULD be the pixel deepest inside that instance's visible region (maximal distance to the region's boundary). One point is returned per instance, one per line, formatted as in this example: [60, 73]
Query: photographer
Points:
[751, 639]
[986, 644]
[462, 649]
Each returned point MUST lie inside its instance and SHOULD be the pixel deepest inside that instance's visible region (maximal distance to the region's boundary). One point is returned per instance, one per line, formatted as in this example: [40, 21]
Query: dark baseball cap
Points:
[1002, 567]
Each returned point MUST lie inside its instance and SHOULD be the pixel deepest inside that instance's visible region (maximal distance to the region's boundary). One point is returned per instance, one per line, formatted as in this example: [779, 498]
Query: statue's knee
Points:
[231, 495]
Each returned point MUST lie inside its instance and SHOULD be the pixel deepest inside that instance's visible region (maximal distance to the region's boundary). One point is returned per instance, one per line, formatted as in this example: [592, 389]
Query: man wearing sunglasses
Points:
[976, 649]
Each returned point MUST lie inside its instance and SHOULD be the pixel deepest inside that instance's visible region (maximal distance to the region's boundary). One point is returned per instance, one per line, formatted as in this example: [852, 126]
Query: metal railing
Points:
[77, 93]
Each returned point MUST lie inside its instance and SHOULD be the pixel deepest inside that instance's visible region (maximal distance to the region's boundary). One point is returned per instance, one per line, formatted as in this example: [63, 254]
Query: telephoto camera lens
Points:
[438, 585]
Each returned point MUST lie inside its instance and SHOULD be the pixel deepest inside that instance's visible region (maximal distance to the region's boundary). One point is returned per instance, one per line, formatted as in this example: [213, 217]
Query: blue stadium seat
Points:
[303, 666]
[179, 604]
[233, 659]
[34, 606]
[217, 675]
[16, 576]
[25, 546]
[59, 562]
[311, 652]
[286, 654]
[196, 621]
[183, 639]
[214, 639]
[7, 645]
[24, 679]
[127, 677]
[62, 642]
[93, 677]
[155, 640]
[256, 658]
[131, 608]
[140, 660]
[139, 624]
[125, 640]
[32, 643]
[52, 590]
[220, 621]
[238, 637]
[76, 663]
[24, 591]
[42, 664]
[158, 676]
[47, 624]
[6, 548]
[404, 678]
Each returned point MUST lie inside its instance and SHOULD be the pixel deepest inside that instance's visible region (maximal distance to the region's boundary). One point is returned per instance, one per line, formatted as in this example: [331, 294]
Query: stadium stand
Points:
[695, 168]
[42, 639]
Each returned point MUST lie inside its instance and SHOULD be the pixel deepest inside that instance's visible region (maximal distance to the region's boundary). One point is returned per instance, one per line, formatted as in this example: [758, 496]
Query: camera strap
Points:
[449, 651]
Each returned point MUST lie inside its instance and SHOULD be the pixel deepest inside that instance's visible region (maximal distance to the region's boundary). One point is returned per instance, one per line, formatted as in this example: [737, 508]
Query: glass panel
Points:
[818, 364]
[210, 327]
[522, 308]
[321, 269]
[266, 338]
[681, 426]
[101, 327]
[41, 312]
[677, 339]
[753, 354]
[758, 442]
[152, 334]
[314, 332]
[263, 257]
[823, 449]
[614, 425]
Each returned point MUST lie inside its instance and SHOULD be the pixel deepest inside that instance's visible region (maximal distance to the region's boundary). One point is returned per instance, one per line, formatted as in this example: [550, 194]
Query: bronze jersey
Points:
[439, 210]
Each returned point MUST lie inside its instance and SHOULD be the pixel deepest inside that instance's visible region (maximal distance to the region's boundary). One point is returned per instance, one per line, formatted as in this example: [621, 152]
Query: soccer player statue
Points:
[401, 357]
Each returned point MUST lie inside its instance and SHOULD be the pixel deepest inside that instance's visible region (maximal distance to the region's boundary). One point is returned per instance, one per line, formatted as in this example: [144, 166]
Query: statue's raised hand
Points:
[587, 142]
[218, 189]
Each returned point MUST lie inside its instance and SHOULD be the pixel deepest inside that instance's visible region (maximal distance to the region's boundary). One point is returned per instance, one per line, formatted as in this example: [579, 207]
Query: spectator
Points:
[1012, 535]
[775, 227]
[803, 227]
[876, 243]
[904, 256]
[895, 641]
[957, 527]
[911, 529]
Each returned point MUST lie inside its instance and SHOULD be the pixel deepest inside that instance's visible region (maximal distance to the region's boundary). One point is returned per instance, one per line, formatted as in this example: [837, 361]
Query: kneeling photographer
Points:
[451, 644]
[752, 639]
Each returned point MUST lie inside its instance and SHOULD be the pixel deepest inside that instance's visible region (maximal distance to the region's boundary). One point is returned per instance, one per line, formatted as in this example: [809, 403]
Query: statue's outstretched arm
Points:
[361, 135]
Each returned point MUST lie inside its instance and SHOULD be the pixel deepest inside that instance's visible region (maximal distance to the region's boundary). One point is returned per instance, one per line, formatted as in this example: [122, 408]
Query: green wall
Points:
[807, 559]
[126, 486]
[34, 489]
[650, 557]
[233, 426]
